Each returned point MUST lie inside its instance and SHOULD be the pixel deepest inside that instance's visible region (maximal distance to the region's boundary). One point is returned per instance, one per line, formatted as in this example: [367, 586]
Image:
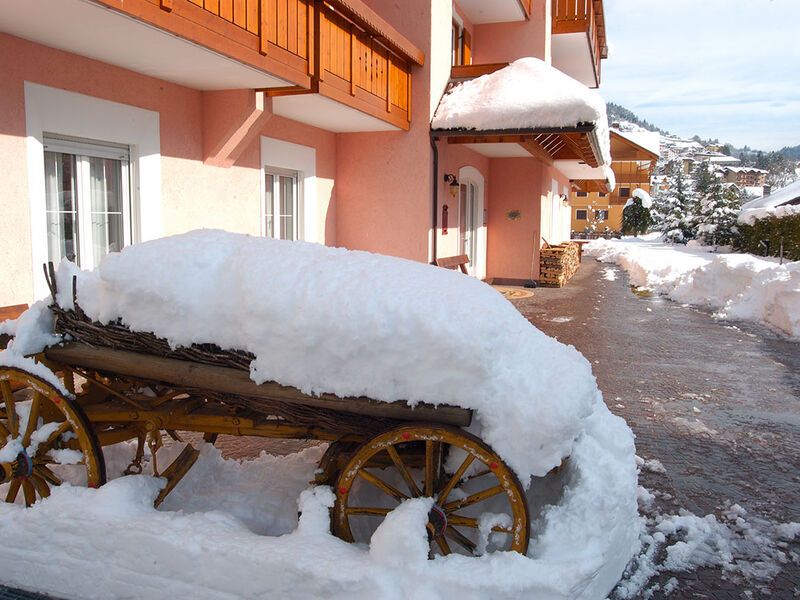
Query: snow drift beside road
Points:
[738, 286]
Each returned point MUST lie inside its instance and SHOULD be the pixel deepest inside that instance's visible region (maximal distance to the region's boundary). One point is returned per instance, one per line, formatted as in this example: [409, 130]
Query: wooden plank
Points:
[12, 312]
[226, 10]
[166, 5]
[466, 48]
[281, 23]
[253, 18]
[240, 13]
[235, 381]
[291, 24]
[212, 6]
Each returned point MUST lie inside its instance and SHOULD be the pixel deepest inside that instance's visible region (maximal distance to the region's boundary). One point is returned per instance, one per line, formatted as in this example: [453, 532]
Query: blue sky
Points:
[726, 69]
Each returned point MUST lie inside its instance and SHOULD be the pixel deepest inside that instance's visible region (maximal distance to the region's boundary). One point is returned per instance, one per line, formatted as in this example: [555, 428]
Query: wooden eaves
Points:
[548, 144]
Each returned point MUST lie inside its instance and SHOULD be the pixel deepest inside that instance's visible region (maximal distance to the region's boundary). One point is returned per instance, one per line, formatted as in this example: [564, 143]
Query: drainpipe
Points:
[435, 195]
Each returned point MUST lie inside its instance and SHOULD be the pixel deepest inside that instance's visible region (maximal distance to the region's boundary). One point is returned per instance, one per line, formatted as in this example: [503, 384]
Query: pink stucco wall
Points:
[383, 183]
[194, 194]
[506, 42]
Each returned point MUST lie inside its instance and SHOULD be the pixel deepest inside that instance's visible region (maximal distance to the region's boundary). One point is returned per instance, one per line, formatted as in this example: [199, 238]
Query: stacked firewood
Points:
[557, 264]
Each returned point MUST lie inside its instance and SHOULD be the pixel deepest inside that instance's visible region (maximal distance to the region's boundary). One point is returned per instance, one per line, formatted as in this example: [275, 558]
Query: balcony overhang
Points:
[353, 68]
[495, 11]
[579, 39]
[95, 31]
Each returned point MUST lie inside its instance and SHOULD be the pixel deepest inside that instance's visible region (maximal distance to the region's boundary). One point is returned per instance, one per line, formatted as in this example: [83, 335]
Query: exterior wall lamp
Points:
[450, 179]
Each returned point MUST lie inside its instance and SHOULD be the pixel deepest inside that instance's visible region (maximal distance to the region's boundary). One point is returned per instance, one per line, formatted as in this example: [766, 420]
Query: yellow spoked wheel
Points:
[45, 439]
[479, 504]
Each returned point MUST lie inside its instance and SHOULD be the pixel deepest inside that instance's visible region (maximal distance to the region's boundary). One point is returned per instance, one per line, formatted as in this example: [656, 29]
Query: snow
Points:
[314, 316]
[750, 216]
[647, 201]
[778, 197]
[737, 286]
[524, 95]
[748, 549]
[649, 140]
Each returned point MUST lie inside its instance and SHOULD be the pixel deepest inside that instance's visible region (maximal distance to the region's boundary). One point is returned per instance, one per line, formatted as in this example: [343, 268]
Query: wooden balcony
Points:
[579, 39]
[340, 49]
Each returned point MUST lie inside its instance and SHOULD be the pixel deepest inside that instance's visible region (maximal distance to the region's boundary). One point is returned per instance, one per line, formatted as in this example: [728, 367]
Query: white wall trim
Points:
[54, 110]
[475, 176]
[303, 159]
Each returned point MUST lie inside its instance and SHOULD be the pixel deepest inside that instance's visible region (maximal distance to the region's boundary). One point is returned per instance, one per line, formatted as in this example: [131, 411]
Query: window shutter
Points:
[466, 48]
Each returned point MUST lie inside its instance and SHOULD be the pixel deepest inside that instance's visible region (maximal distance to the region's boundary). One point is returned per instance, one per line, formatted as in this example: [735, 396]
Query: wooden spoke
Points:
[445, 491]
[33, 419]
[47, 445]
[400, 466]
[459, 521]
[59, 413]
[13, 490]
[41, 486]
[47, 474]
[29, 492]
[443, 545]
[416, 454]
[477, 475]
[11, 408]
[367, 510]
[383, 486]
[460, 539]
[473, 498]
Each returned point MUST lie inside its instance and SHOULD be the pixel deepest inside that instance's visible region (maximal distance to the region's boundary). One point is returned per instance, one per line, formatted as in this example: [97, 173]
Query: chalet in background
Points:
[128, 120]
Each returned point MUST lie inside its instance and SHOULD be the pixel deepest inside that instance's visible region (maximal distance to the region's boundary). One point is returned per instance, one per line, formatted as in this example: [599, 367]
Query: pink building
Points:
[127, 120]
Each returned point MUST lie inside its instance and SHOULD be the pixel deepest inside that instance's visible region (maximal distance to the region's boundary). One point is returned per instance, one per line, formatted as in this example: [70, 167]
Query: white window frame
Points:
[83, 150]
[470, 174]
[74, 115]
[277, 173]
[280, 154]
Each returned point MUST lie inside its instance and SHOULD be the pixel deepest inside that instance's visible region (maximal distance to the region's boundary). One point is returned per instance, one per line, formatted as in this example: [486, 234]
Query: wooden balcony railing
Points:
[338, 48]
[583, 16]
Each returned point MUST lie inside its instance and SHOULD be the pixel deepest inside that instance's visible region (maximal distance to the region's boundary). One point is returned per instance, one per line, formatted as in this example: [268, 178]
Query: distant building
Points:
[633, 156]
[746, 176]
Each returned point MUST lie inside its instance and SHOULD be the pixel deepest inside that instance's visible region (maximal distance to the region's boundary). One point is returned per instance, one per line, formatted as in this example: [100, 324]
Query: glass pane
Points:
[62, 214]
[105, 185]
[269, 215]
[287, 207]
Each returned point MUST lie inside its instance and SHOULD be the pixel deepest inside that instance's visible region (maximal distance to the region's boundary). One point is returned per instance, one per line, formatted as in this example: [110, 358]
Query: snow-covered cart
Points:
[121, 385]
[431, 390]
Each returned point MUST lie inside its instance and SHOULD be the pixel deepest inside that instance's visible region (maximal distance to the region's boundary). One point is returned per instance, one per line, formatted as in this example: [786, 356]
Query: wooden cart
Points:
[125, 386]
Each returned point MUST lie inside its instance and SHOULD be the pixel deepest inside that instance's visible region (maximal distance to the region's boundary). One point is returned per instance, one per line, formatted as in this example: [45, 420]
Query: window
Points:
[601, 215]
[603, 194]
[281, 218]
[581, 194]
[461, 45]
[87, 199]
[624, 192]
[581, 214]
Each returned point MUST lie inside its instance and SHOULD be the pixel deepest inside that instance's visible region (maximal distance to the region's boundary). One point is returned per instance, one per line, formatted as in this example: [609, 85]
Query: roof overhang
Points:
[551, 144]
[496, 11]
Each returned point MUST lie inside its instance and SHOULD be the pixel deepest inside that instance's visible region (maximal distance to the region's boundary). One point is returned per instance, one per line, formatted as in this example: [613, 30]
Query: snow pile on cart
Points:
[331, 321]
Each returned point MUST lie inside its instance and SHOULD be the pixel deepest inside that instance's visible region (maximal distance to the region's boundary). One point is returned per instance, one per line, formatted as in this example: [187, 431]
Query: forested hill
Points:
[617, 113]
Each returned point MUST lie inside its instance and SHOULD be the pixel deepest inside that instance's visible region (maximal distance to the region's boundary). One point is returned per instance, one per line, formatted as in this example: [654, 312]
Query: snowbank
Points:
[526, 94]
[750, 216]
[739, 286]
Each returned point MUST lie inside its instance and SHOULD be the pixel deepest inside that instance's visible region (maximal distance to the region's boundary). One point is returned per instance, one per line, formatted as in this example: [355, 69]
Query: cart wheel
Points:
[45, 439]
[479, 504]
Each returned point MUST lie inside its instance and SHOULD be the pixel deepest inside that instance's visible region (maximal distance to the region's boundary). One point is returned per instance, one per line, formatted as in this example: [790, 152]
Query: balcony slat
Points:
[226, 10]
[212, 6]
[292, 25]
[240, 13]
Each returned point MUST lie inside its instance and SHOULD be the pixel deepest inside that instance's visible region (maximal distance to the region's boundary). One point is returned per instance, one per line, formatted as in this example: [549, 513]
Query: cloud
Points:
[718, 68]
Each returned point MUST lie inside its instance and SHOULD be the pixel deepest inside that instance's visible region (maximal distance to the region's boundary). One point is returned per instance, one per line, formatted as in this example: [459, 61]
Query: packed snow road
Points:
[714, 407]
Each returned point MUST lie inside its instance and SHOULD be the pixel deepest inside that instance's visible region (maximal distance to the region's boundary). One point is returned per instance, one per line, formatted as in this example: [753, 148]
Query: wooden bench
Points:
[10, 312]
[454, 262]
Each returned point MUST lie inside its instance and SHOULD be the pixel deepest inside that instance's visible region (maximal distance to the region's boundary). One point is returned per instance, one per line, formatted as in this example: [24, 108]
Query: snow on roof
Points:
[329, 320]
[527, 94]
[745, 170]
[649, 140]
[784, 195]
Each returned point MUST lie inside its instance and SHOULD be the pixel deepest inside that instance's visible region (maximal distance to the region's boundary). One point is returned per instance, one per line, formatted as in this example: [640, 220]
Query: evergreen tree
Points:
[718, 214]
[673, 210]
[636, 217]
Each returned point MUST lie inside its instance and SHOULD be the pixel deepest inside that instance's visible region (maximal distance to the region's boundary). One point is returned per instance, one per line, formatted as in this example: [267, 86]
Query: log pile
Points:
[557, 264]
